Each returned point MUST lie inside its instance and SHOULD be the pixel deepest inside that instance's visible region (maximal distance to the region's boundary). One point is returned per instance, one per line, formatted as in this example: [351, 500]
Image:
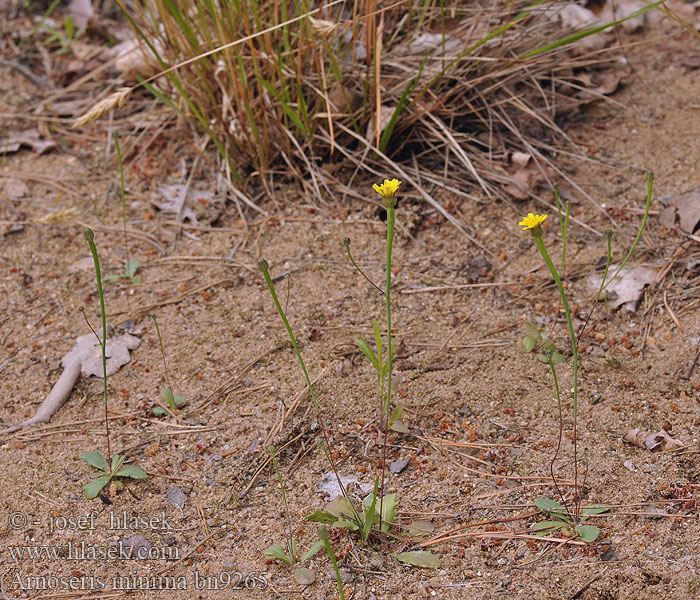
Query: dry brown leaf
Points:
[626, 288]
[12, 141]
[86, 358]
[526, 176]
[651, 441]
[684, 208]
[13, 188]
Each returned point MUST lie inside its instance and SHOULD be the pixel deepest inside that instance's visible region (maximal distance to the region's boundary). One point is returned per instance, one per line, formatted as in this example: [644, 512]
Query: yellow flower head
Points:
[388, 188]
[532, 221]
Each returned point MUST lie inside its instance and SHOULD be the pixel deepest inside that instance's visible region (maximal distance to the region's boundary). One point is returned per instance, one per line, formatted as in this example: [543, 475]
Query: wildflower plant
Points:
[561, 516]
[110, 468]
[387, 191]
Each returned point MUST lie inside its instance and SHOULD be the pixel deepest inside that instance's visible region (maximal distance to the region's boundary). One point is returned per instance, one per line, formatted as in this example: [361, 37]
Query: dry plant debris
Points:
[86, 358]
[652, 441]
[627, 288]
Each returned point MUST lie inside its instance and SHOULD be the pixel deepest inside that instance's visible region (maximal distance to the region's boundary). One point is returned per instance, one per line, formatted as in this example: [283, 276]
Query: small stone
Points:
[304, 576]
[399, 465]
[177, 497]
[135, 546]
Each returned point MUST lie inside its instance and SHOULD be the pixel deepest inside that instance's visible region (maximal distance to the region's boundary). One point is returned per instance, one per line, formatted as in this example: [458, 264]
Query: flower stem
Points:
[386, 404]
[90, 238]
[574, 345]
[263, 266]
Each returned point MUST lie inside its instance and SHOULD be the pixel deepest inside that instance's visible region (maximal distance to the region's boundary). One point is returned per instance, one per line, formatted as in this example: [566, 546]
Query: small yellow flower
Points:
[388, 188]
[532, 221]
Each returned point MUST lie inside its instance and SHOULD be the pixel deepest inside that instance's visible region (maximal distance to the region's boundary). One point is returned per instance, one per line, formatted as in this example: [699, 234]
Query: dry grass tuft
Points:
[441, 96]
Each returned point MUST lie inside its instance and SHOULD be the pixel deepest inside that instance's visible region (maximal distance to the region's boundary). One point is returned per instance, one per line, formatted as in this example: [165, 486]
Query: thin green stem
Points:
[346, 243]
[286, 504]
[561, 431]
[173, 406]
[650, 184]
[123, 197]
[386, 404]
[323, 534]
[537, 234]
[90, 238]
[265, 270]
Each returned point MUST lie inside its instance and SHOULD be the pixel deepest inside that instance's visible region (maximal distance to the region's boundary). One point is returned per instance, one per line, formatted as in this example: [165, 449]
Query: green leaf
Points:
[346, 524]
[369, 511]
[535, 332]
[69, 26]
[399, 427]
[588, 533]
[542, 358]
[312, 551]
[546, 527]
[174, 401]
[276, 552]
[419, 558]
[528, 343]
[117, 462]
[159, 411]
[548, 505]
[132, 471]
[95, 487]
[95, 459]
[367, 351]
[395, 423]
[322, 516]
[549, 346]
[112, 277]
[131, 268]
[558, 358]
[341, 508]
[378, 341]
[388, 504]
[595, 509]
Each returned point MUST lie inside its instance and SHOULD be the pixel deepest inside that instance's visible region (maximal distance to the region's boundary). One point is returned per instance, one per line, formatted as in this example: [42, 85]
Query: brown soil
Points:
[459, 373]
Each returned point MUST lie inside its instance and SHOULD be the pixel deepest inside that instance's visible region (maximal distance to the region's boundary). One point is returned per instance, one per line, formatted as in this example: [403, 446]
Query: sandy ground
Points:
[481, 413]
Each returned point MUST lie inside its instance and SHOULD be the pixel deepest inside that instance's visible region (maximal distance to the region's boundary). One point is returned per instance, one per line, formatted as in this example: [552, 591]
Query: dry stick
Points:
[180, 298]
[211, 397]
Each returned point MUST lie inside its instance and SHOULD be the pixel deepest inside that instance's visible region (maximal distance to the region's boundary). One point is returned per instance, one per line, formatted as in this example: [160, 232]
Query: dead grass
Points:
[405, 88]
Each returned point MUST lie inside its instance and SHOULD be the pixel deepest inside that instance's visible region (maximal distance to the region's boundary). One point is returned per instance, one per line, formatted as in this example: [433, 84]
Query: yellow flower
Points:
[532, 221]
[388, 188]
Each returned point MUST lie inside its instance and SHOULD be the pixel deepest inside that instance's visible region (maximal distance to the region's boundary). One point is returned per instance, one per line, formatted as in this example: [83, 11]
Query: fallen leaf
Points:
[86, 358]
[651, 441]
[13, 140]
[80, 11]
[684, 208]
[626, 288]
[207, 204]
[525, 175]
[13, 188]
